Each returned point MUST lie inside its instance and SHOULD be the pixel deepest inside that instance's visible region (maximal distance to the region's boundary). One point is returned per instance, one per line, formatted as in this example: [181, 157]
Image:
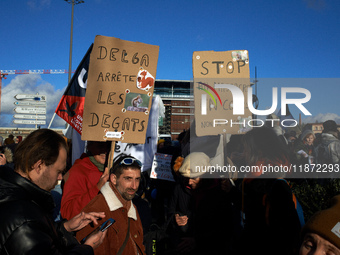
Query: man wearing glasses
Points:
[125, 235]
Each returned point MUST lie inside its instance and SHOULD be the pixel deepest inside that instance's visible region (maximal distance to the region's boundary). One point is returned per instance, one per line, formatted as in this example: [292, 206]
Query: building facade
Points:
[178, 100]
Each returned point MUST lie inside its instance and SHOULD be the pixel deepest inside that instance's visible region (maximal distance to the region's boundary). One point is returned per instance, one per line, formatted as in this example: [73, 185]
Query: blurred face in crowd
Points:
[127, 183]
[315, 244]
[309, 139]
[193, 182]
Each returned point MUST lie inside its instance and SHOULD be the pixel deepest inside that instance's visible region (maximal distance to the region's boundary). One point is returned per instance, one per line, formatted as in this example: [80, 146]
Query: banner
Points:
[71, 105]
[120, 89]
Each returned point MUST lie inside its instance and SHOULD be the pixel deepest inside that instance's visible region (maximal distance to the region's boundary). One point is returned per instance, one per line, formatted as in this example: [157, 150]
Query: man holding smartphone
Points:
[26, 203]
[125, 235]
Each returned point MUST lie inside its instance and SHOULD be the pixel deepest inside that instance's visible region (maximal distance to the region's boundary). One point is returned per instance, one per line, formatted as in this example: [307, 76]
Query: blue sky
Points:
[285, 39]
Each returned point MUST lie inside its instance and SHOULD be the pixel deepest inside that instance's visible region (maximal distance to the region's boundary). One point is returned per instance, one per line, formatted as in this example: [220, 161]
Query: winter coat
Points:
[80, 187]
[110, 202]
[26, 226]
[333, 144]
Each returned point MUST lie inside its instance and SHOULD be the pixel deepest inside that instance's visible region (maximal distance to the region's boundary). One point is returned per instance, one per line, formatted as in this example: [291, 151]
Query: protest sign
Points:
[119, 90]
[161, 167]
[221, 82]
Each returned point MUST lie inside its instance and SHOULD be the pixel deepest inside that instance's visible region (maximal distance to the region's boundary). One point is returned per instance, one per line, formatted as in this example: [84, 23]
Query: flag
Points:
[71, 105]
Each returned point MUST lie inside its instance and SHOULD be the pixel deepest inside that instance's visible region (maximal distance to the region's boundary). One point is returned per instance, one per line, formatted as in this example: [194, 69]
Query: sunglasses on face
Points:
[130, 161]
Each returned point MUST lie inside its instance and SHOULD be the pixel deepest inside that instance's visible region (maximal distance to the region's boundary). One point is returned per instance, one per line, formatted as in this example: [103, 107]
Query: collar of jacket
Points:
[113, 201]
[20, 188]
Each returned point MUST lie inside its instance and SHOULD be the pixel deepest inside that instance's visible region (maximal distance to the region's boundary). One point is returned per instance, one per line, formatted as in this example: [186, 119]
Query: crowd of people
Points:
[196, 214]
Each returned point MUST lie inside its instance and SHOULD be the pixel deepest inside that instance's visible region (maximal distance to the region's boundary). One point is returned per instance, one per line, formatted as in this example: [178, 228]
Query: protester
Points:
[6, 157]
[9, 140]
[321, 233]
[328, 151]
[85, 179]
[271, 220]
[18, 139]
[274, 124]
[160, 144]
[304, 149]
[126, 233]
[201, 210]
[26, 202]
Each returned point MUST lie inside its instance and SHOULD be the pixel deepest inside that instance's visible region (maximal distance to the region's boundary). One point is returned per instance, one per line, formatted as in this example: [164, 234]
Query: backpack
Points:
[298, 206]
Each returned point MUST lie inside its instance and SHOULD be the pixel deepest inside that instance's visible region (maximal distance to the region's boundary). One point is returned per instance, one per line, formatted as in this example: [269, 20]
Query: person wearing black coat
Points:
[26, 204]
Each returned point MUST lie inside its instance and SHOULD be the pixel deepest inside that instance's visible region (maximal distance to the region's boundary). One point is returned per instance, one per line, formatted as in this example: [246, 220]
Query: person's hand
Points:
[82, 220]
[3, 160]
[181, 220]
[96, 238]
[104, 178]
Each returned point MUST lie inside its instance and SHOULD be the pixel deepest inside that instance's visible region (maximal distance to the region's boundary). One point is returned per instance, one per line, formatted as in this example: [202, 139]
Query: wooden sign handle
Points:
[111, 155]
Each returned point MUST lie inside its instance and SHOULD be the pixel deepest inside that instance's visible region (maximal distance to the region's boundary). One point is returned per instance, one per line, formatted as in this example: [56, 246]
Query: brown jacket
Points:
[110, 201]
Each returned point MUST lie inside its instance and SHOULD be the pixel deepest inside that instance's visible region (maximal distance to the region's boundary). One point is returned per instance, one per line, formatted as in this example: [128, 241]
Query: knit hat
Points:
[160, 141]
[195, 165]
[330, 125]
[326, 223]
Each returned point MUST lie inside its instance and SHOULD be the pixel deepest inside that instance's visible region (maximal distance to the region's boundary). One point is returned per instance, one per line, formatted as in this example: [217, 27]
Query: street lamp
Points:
[73, 2]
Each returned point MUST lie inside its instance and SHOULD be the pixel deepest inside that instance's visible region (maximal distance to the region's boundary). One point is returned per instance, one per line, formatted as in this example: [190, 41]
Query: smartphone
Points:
[102, 228]
[106, 224]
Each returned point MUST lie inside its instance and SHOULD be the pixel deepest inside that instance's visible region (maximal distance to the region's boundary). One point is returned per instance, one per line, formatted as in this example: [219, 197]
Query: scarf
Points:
[97, 164]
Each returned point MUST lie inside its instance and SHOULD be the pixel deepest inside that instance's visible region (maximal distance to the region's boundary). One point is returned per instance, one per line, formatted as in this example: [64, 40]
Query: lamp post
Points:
[73, 2]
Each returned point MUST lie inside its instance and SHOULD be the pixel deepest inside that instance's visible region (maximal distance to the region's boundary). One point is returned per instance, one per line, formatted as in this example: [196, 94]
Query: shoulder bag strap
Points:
[121, 249]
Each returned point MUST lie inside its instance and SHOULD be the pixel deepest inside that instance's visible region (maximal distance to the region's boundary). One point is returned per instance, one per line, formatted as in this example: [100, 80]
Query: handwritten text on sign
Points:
[161, 167]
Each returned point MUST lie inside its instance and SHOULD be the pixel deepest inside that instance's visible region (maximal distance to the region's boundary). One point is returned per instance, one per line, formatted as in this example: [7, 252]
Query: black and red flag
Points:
[71, 105]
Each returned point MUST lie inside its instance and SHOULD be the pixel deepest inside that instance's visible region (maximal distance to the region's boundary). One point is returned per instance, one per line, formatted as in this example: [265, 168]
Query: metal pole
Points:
[71, 42]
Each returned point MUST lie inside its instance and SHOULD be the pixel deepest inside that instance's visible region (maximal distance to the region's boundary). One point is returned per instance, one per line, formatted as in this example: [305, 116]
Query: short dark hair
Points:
[41, 144]
[118, 168]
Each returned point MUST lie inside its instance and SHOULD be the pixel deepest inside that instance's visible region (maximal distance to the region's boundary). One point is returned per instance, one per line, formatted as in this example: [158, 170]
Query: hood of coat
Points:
[14, 187]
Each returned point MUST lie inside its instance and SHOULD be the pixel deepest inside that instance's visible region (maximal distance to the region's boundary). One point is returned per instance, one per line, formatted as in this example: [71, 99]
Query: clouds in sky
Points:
[29, 84]
[38, 4]
[322, 118]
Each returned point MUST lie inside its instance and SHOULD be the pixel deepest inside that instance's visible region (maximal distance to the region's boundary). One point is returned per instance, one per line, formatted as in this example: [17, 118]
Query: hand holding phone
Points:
[102, 228]
[106, 224]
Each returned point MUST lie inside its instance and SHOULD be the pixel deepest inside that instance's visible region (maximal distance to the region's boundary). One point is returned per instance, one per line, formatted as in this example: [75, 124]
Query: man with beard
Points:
[125, 236]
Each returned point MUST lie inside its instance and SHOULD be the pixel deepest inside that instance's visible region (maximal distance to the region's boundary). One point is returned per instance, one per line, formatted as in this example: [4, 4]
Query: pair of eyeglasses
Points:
[130, 161]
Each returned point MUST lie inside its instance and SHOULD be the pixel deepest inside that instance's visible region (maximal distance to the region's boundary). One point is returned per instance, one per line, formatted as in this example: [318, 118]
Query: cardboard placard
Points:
[221, 82]
[161, 167]
[119, 90]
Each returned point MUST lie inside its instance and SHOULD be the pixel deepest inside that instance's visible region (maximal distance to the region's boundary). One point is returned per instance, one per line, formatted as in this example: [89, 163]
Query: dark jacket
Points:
[26, 226]
[271, 222]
